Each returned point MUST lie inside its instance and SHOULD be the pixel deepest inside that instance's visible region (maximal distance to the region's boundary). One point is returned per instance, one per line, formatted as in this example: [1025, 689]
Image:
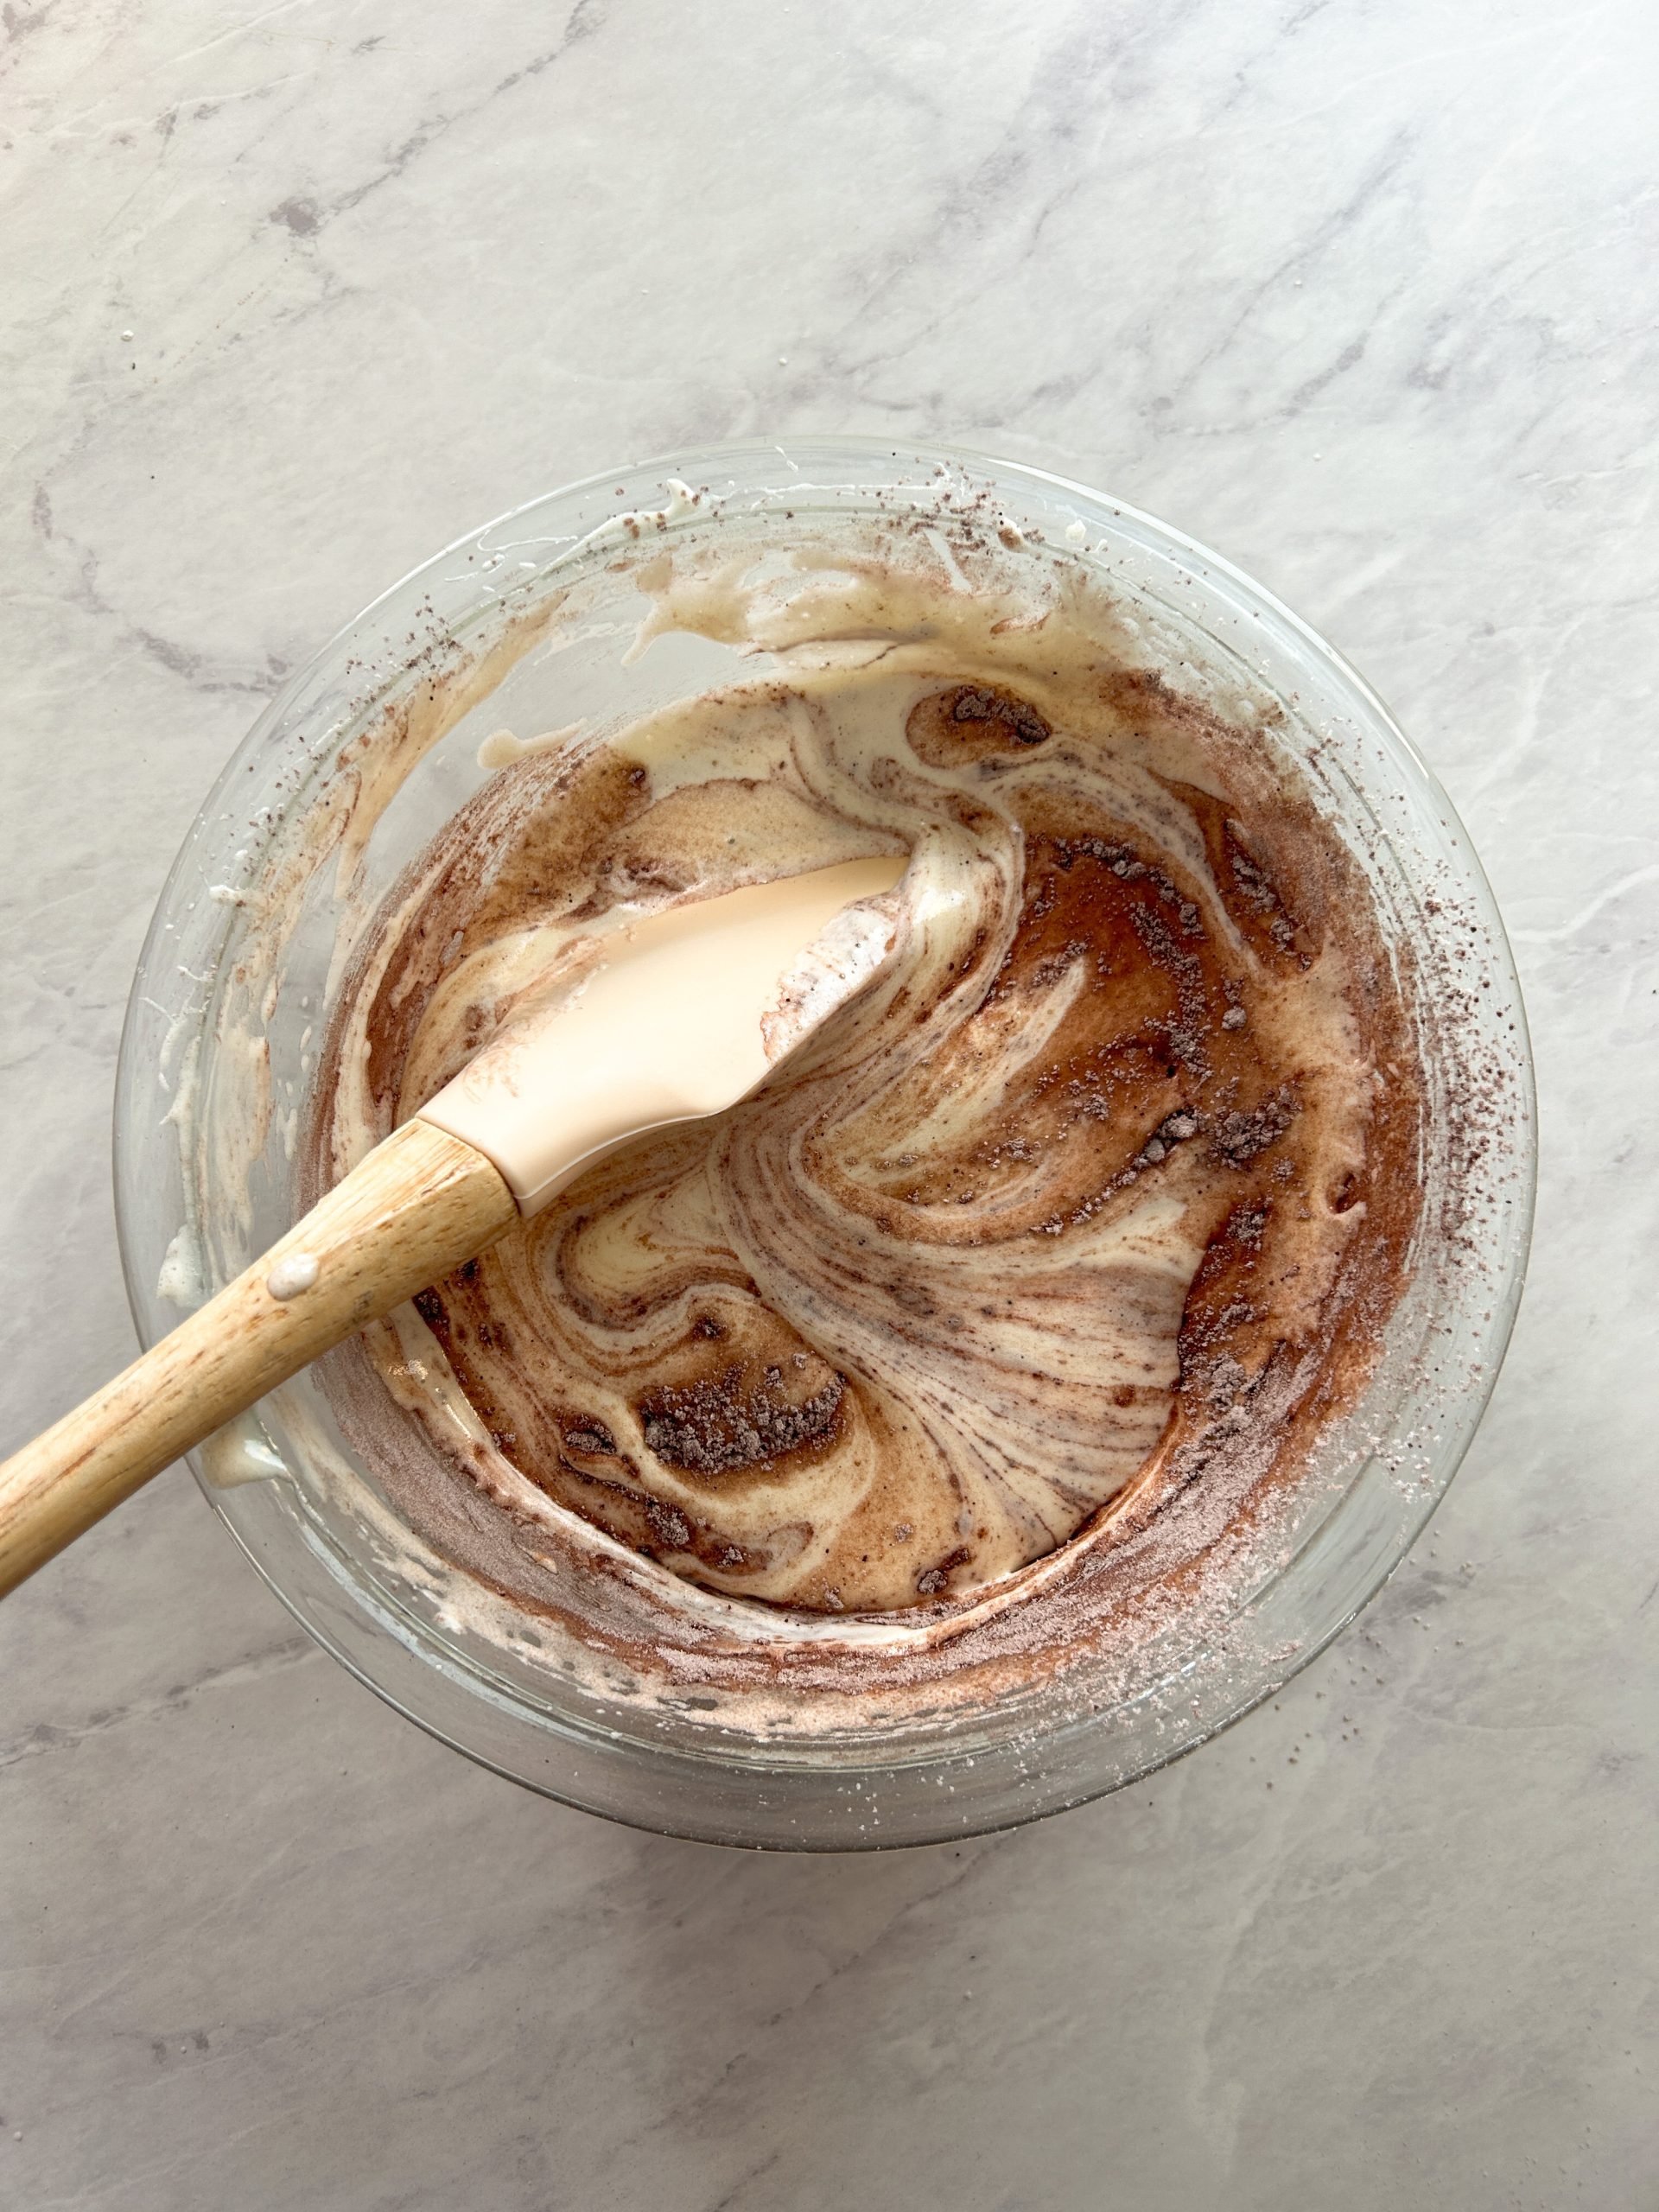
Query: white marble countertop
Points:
[1361, 294]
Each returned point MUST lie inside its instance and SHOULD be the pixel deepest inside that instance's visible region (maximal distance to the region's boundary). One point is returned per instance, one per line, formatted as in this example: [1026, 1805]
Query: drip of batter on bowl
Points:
[1097, 1202]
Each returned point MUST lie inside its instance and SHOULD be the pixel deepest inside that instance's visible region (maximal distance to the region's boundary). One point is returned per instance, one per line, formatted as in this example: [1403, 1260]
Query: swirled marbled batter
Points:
[1092, 1183]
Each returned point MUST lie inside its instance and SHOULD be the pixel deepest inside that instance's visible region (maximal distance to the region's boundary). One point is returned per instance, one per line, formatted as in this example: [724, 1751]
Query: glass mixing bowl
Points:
[206, 1147]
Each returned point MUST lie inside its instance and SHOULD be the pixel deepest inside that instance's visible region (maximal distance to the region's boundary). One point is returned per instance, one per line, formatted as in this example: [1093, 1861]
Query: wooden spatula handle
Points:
[421, 1202]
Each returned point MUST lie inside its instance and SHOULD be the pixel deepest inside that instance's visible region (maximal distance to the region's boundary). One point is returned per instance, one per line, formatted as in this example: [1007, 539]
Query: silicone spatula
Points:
[681, 1015]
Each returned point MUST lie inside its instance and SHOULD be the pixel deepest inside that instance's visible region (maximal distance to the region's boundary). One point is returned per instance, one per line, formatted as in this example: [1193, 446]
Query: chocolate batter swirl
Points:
[1113, 1167]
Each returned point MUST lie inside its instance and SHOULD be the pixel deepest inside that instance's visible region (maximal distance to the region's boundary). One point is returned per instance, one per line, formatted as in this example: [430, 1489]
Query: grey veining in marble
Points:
[1360, 291]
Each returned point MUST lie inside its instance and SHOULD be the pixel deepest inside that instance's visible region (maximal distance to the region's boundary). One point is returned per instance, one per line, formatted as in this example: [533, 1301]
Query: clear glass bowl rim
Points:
[847, 1814]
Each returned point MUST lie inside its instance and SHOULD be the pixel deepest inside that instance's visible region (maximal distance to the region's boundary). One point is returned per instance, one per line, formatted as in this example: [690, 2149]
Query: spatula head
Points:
[680, 1015]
